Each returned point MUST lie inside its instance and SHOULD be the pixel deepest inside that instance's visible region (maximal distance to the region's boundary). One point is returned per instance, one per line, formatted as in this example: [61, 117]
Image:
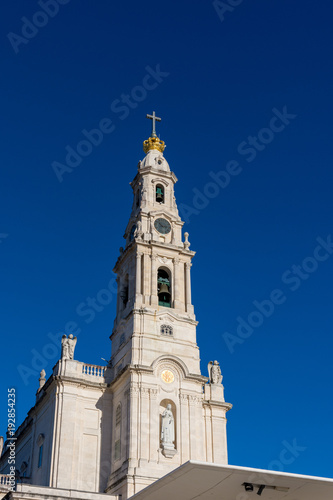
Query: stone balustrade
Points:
[82, 371]
[93, 370]
[5, 480]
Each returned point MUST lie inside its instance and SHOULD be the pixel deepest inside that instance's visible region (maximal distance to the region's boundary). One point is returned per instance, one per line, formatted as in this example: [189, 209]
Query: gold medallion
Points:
[167, 376]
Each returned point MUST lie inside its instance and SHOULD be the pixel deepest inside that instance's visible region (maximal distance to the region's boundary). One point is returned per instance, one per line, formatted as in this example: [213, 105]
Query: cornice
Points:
[151, 170]
[211, 402]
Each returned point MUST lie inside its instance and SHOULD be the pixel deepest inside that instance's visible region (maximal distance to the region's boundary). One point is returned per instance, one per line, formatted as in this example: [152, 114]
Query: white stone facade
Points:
[101, 427]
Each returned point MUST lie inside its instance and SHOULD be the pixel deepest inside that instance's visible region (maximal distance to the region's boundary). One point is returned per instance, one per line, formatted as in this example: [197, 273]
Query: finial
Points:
[153, 142]
[154, 119]
[42, 378]
[187, 244]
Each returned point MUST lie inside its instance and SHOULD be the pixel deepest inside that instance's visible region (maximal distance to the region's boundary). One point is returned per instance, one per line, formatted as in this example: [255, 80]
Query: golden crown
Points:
[153, 143]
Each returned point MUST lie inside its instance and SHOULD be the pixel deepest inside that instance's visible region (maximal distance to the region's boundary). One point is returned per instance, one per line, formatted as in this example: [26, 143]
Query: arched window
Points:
[159, 193]
[117, 443]
[167, 330]
[164, 288]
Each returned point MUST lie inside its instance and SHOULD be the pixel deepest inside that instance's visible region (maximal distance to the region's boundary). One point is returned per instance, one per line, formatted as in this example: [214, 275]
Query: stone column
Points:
[184, 440]
[192, 400]
[154, 426]
[208, 434]
[177, 282]
[153, 287]
[189, 307]
[133, 425]
[144, 426]
[146, 278]
[138, 277]
[219, 435]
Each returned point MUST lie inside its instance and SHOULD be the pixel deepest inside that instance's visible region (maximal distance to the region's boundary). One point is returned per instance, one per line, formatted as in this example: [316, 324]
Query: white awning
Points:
[205, 481]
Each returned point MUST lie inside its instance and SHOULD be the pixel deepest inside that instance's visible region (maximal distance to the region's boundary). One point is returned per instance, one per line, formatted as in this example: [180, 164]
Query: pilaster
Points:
[189, 307]
[153, 283]
[138, 278]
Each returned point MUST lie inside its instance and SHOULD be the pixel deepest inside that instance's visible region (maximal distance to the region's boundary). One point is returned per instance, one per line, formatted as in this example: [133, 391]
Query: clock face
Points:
[167, 376]
[162, 226]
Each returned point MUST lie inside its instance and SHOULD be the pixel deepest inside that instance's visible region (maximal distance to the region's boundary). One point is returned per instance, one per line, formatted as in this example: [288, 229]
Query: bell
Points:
[159, 195]
[164, 289]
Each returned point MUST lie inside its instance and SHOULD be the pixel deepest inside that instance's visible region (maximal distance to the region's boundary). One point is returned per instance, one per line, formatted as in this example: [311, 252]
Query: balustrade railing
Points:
[93, 370]
[5, 479]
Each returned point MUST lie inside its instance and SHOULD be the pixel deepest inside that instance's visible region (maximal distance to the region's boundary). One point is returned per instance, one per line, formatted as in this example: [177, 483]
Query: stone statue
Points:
[68, 346]
[168, 428]
[138, 230]
[214, 372]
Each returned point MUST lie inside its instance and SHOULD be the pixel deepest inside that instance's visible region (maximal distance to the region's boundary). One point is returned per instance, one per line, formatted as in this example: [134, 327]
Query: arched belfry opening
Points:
[159, 193]
[164, 287]
[124, 292]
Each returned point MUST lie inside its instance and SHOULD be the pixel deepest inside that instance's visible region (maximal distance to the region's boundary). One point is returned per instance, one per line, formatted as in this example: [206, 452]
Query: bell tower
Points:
[155, 358]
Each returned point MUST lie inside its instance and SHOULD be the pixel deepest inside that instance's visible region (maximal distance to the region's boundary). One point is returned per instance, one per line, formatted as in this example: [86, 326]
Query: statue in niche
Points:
[168, 428]
[214, 372]
[67, 346]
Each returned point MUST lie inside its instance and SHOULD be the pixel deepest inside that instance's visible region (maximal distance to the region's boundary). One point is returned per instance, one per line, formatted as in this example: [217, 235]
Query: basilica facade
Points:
[115, 430]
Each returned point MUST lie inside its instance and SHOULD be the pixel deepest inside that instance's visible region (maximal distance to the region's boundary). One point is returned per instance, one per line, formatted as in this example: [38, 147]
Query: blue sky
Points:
[245, 98]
